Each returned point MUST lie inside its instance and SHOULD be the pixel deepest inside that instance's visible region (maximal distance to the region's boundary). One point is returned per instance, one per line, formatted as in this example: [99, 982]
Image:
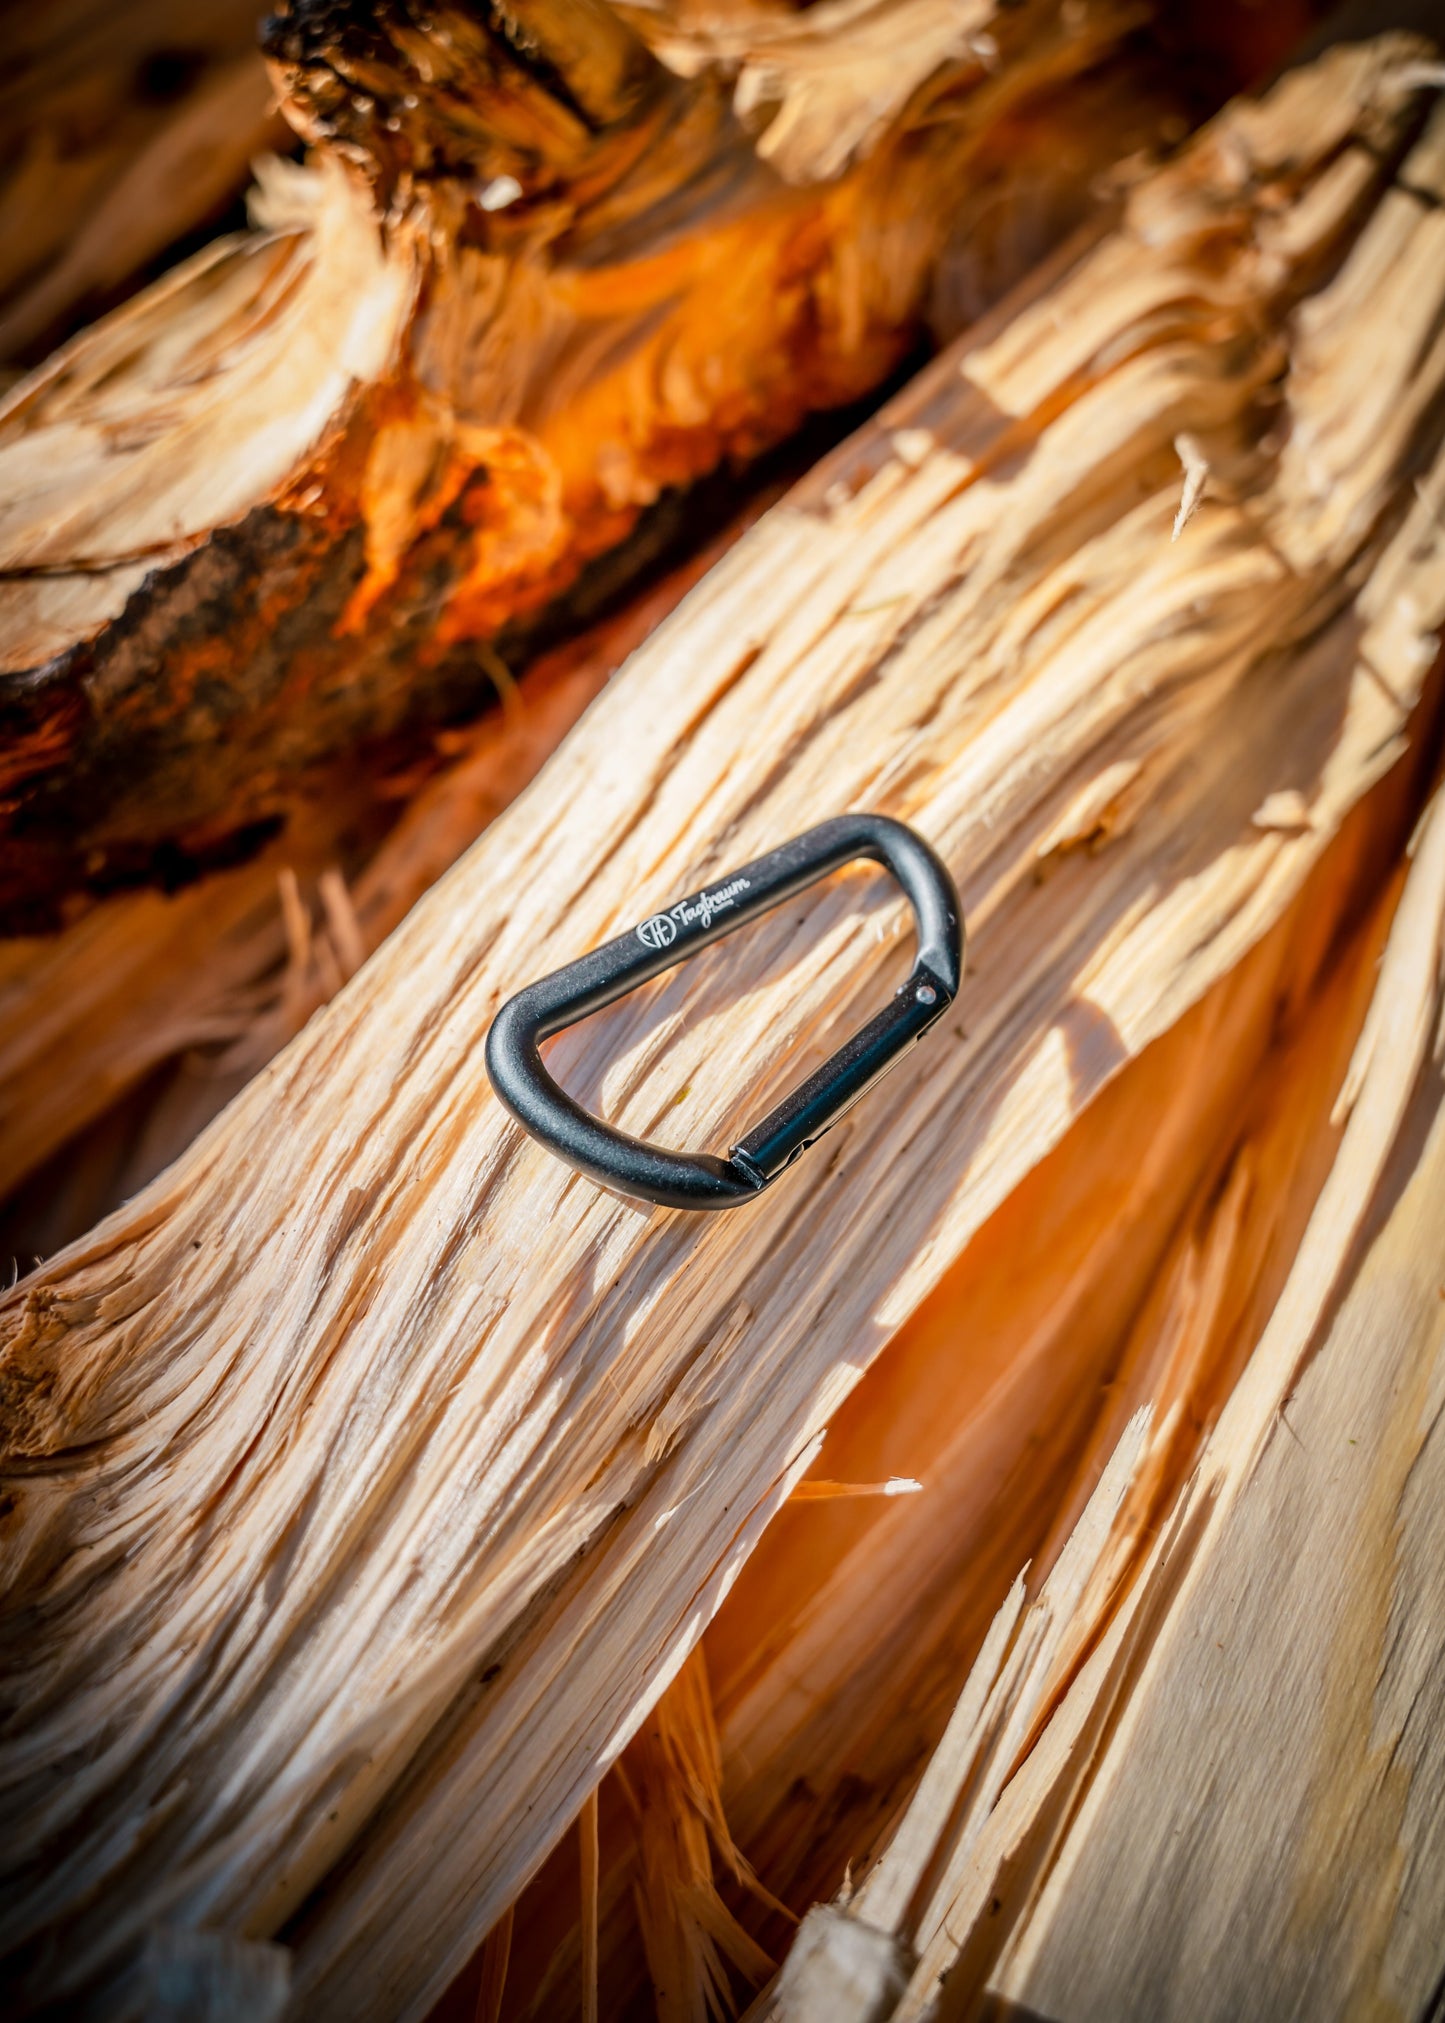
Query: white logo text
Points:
[662, 929]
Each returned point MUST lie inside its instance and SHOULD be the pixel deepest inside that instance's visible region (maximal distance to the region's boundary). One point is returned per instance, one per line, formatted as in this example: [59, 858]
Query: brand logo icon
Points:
[659, 932]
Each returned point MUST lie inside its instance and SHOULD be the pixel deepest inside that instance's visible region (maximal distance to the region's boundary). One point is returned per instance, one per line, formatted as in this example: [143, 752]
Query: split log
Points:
[1228, 1801]
[372, 1473]
[1298, 1671]
[252, 526]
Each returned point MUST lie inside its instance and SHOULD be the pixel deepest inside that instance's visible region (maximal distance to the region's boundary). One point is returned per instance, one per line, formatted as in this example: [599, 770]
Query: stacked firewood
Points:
[1000, 1566]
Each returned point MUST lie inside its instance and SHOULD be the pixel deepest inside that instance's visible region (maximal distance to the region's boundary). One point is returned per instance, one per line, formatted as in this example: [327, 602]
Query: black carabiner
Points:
[631, 1166]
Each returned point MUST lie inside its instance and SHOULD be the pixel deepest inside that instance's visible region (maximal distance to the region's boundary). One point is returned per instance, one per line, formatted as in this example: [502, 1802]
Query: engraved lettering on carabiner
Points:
[660, 931]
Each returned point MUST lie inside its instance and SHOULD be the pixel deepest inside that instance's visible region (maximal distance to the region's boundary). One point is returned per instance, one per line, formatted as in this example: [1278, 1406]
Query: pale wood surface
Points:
[1263, 1833]
[1232, 1809]
[372, 1472]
